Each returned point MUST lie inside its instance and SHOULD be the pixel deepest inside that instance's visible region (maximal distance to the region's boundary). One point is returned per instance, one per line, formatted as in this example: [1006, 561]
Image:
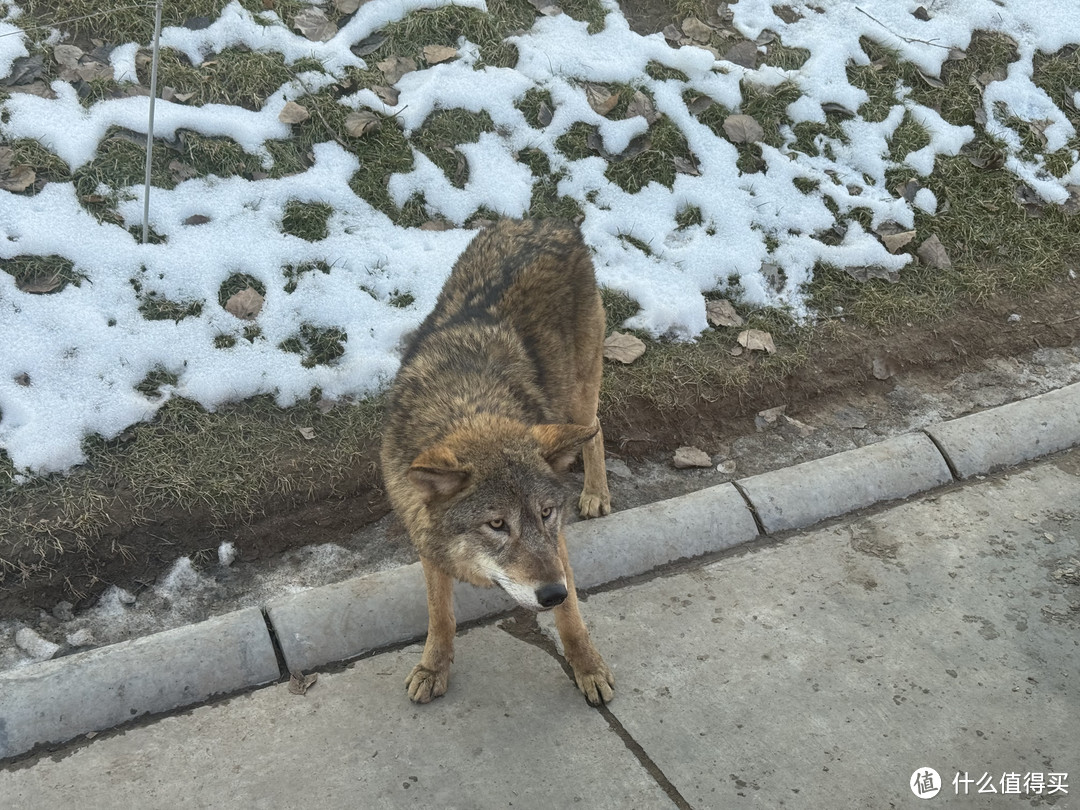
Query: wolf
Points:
[495, 397]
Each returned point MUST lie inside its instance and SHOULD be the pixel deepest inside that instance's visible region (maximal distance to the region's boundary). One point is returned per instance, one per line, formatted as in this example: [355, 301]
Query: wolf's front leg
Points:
[593, 676]
[431, 676]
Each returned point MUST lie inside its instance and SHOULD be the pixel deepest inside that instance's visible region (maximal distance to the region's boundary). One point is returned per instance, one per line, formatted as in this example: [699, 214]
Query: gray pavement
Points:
[819, 670]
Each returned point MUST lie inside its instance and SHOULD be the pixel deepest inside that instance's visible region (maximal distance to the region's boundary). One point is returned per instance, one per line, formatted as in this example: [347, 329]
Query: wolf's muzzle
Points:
[552, 595]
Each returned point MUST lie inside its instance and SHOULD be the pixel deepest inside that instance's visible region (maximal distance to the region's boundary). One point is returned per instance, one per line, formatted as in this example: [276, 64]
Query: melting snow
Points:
[86, 348]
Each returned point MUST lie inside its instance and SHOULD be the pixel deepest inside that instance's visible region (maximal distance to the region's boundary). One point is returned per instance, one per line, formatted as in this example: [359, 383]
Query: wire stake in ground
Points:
[150, 120]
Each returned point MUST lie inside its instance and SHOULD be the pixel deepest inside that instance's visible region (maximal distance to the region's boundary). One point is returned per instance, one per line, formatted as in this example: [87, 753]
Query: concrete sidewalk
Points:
[822, 671]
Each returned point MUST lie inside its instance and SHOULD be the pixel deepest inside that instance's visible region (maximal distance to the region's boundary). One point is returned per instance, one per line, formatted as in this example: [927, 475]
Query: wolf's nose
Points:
[551, 595]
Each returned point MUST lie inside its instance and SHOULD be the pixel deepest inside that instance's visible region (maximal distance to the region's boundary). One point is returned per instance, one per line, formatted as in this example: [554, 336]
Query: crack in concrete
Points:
[523, 625]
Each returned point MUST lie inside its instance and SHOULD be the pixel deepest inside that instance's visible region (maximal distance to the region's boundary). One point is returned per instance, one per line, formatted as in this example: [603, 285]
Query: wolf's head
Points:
[494, 499]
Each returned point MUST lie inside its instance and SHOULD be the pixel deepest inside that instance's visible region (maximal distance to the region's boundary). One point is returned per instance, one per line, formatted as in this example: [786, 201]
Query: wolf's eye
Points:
[498, 524]
[547, 512]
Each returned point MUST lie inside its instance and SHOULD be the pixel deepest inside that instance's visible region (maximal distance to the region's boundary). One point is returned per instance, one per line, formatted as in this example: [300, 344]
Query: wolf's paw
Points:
[592, 505]
[595, 680]
[424, 684]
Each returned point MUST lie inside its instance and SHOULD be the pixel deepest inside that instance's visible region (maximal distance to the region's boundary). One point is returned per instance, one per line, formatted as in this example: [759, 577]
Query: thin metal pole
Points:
[150, 120]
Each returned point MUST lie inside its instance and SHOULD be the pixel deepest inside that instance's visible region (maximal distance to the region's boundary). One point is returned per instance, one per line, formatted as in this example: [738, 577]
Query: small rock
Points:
[769, 418]
[125, 597]
[850, 418]
[686, 457]
[1014, 318]
[618, 468]
[801, 428]
[63, 611]
[226, 553]
[727, 466]
[883, 368]
[81, 638]
[35, 646]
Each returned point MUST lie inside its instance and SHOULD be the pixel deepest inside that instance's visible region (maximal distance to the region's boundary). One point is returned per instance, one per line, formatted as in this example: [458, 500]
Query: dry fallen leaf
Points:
[933, 254]
[299, 683]
[1029, 200]
[40, 285]
[246, 304]
[696, 30]
[347, 6]
[181, 170]
[368, 44]
[362, 123]
[600, 98]
[623, 347]
[395, 67]
[13, 177]
[687, 457]
[434, 54]
[1071, 206]
[741, 128]
[642, 105]
[197, 219]
[314, 24]
[686, 166]
[68, 56]
[387, 95]
[722, 313]
[671, 33]
[895, 241]
[307, 432]
[757, 341]
[544, 114]
[22, 379]
[699, 104]
[17, 178]
[293, 113]
[745, 54]
[931, 81]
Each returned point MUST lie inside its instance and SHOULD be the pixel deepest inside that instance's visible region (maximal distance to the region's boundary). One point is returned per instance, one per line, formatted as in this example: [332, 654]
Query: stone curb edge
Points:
[57, 700]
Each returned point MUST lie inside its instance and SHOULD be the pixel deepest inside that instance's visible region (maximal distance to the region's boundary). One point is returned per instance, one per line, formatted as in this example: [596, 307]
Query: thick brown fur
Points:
[496, 395]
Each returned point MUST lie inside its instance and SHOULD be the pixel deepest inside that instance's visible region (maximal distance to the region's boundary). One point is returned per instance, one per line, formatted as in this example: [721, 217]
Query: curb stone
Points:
[799, 496]
[1009, 434]
[347, 619]
[56, 700]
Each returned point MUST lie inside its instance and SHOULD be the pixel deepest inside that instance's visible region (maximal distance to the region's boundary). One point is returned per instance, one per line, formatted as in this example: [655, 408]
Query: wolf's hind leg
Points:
[595, 499]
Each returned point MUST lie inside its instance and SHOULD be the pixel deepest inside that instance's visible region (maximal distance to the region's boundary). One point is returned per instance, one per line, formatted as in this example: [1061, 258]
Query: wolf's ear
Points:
[559, 444]
[437, 473]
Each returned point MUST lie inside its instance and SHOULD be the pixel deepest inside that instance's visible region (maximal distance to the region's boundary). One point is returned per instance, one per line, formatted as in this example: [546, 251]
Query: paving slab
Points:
[1010, 434]
[512, 731]
[98, 689]
[822, 672]
[807, 493]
